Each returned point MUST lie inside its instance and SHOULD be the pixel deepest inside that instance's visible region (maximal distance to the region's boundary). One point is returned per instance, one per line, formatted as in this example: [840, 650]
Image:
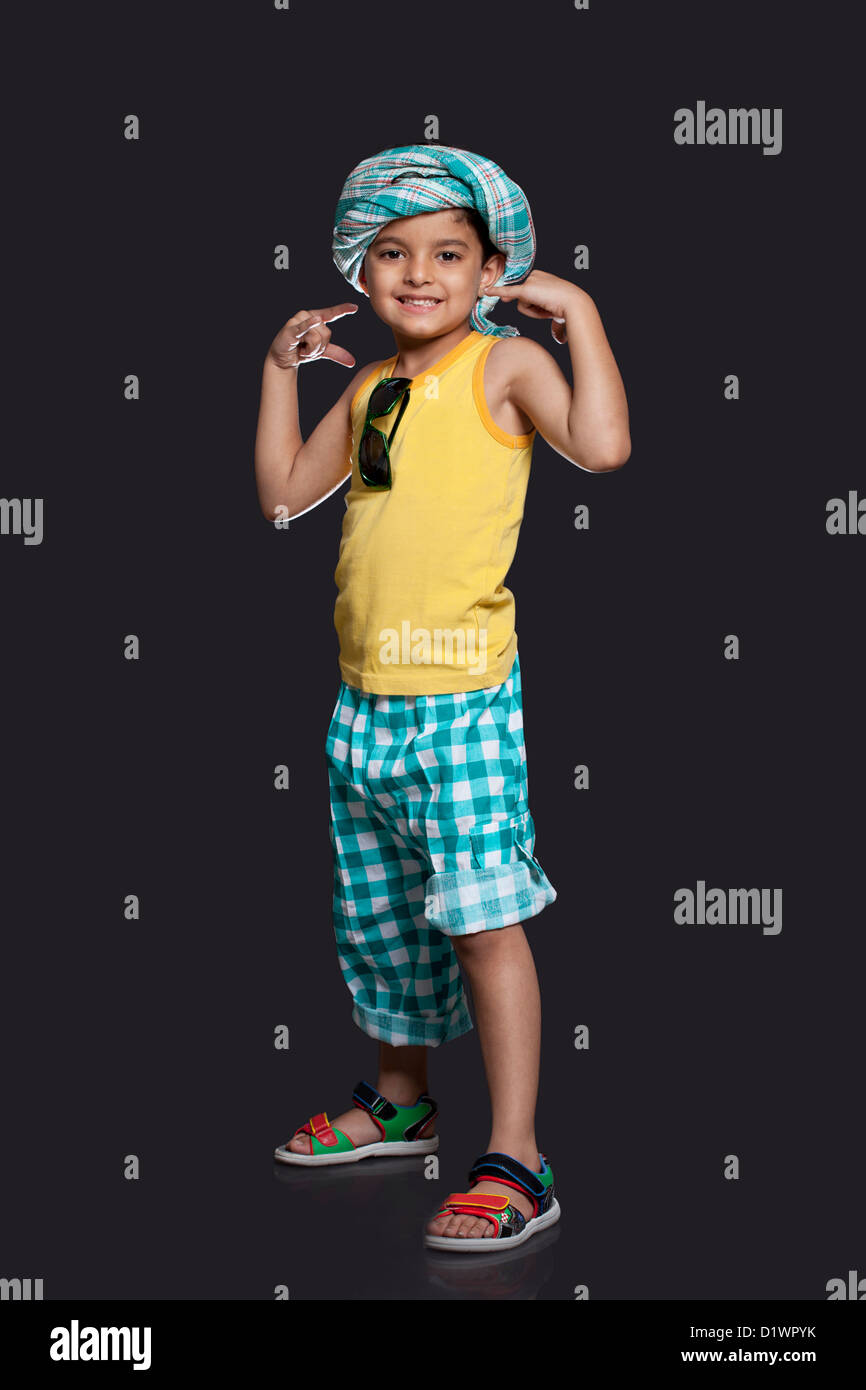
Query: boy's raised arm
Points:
[587, 422]
[293, 476]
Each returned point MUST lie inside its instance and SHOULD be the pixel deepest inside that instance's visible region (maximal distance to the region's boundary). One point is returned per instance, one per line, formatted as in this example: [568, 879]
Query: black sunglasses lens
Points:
[381, 401]
[372, 457]
[372, 449]
[386, 395]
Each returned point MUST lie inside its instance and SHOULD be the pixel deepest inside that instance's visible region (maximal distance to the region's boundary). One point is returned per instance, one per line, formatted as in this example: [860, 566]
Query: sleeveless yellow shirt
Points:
[421, 607]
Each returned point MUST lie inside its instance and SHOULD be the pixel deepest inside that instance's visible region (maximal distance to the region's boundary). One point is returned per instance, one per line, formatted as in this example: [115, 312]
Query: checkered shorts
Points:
[432, 838]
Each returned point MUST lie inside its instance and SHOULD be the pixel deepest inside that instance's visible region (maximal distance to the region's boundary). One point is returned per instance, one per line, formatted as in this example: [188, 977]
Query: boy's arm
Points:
[587, 424]
[293, 476]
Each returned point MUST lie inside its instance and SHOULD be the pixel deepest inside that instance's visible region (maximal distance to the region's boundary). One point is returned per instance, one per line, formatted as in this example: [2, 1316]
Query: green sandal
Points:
[510, 1226]
[402, 1127]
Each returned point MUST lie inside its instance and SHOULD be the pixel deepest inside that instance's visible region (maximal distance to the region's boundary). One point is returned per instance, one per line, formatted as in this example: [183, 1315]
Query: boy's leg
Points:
[403, 1075]
[487, 882]
[507, 1005]
[403, 974]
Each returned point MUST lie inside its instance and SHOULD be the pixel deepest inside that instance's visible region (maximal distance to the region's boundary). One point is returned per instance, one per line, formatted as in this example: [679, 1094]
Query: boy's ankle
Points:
[400, 1093]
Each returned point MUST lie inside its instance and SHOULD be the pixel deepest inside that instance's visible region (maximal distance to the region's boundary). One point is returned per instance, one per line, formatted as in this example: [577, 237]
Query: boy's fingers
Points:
[311, 340]
[308, 338]
[297, 330]
[338, 354]
[337, 311]
[319, 316]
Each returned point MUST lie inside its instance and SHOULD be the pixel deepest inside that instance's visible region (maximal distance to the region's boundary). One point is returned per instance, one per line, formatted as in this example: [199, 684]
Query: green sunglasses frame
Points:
[369, 428]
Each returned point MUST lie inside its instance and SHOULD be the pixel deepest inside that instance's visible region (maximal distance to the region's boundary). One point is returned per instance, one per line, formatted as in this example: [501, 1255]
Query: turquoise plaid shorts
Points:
[432, 838]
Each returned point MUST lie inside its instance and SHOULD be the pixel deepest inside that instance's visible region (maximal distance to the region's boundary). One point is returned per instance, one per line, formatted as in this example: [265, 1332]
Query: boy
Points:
[430, 824]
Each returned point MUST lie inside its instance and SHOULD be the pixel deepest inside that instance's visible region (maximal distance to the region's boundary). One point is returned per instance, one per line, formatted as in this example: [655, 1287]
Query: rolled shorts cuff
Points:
[474, 900]
[405, 1030]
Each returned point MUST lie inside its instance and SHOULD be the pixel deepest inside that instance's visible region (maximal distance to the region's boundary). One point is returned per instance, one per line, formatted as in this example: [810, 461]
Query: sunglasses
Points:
[374, 461]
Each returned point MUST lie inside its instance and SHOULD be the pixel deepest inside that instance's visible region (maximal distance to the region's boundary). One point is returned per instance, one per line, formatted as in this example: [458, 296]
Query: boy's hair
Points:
[474, 218]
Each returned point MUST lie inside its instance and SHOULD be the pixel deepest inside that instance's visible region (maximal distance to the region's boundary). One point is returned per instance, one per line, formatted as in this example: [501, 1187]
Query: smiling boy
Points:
[430, 824]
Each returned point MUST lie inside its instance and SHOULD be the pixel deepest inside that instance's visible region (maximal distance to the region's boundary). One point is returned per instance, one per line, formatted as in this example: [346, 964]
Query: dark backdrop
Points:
[155, 777]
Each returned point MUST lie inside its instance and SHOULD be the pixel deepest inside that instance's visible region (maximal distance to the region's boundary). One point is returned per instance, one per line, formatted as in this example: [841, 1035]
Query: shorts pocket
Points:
[504, 883]
[503, 842]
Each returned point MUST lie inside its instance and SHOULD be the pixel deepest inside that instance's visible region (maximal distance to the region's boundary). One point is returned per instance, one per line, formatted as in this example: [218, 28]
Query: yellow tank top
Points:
[422, 608]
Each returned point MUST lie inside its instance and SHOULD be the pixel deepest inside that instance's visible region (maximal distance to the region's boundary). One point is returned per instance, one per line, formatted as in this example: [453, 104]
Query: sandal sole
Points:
[396, 1147]
[538, 1223]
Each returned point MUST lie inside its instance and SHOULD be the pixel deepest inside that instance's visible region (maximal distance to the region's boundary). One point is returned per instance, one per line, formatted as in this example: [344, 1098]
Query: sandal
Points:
[402, 1127]
[511, 1226]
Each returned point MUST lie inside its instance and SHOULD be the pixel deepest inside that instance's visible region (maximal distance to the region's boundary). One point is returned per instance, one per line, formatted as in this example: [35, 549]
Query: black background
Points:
[155, 777]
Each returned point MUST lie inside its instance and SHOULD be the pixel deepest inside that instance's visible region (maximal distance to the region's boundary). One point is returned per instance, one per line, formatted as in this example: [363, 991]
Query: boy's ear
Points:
[497, 270]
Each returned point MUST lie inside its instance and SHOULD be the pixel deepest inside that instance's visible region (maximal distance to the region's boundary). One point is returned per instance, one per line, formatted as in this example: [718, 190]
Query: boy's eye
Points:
[392, 251]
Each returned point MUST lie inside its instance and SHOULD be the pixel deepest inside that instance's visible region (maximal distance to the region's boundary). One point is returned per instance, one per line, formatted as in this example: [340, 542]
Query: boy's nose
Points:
[416, 273]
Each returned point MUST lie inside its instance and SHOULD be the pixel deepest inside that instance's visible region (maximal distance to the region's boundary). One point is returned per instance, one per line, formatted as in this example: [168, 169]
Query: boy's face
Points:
[430, 256]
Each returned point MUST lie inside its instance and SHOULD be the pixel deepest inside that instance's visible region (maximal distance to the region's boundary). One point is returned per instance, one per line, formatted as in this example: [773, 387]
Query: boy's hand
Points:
[541, 296]
[306, 337]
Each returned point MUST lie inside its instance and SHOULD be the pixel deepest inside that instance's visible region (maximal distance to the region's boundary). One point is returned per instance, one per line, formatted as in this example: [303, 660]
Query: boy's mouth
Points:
[417, 303]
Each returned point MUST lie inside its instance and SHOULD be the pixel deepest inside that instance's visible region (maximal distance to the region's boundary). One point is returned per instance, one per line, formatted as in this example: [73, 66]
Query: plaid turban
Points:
[427, 178]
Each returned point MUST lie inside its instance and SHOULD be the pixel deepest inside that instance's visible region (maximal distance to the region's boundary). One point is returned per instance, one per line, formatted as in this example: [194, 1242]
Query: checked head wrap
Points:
[411, 179]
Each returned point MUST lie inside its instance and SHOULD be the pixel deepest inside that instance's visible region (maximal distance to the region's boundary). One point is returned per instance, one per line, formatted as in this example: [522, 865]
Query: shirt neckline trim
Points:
[437, 367]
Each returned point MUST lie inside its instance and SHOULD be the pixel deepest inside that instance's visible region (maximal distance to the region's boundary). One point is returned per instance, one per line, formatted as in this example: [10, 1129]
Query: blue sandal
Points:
[511, 1226]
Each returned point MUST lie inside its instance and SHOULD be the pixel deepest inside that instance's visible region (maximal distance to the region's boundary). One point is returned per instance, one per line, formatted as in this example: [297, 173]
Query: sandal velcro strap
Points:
[366, 1097]
[477, 1204]
[504, 1168]
[493, 1201]
[319, 1126]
